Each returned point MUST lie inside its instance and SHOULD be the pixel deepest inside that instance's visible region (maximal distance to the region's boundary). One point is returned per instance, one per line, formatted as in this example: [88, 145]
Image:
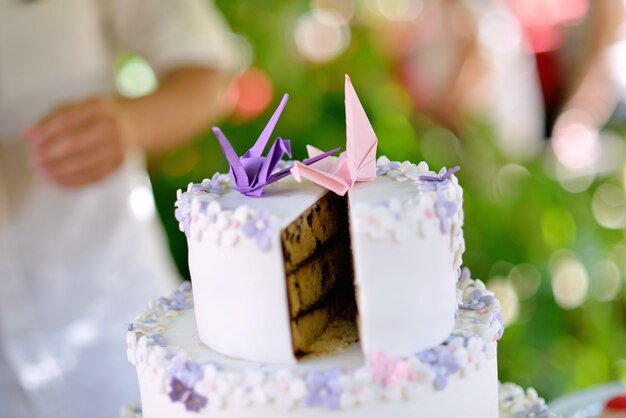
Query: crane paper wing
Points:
[357, 163]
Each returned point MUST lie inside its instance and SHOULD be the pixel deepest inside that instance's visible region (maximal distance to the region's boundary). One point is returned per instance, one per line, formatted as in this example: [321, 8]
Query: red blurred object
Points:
[250, 93]
[616, 404]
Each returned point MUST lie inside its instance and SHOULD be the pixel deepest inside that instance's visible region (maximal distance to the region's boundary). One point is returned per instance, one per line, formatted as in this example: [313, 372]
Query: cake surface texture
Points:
[180, 377]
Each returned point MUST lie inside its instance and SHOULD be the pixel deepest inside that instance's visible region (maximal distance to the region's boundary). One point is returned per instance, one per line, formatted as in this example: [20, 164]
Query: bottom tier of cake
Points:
[514, 402]
[180, 377]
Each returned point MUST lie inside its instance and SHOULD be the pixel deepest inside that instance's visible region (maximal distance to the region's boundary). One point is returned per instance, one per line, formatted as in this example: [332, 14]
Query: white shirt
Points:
[77, 264]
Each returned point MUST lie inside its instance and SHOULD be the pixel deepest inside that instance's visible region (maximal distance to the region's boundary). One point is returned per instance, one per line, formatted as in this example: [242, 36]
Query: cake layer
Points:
[302, 239]
[475, 396]
[407, 243]
[316, 278]
[514, 402]
[180, 377]
[309, 325]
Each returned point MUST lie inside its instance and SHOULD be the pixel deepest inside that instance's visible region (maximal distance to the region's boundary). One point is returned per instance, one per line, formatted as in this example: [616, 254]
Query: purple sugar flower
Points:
[261, 228]
[324, 389]
[155, 339]
[479, 299]
[178, 302]
[182, 213]
[442, 176]
[445, 210]
[180, 392]
[381, 170]
[183, 375]
[213, 185]
[497, 316]
[442, 363]
[188, 372]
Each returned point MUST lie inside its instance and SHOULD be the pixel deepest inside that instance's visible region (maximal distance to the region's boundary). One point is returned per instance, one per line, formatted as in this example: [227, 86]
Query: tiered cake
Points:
[285, 284]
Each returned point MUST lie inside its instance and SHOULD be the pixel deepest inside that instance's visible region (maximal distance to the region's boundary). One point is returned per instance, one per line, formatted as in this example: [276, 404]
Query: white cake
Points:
[181, 377]
[399, 234]
[395, 229]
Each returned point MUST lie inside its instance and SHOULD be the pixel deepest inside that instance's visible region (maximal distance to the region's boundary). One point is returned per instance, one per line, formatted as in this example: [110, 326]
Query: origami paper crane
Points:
[253, 171]
[356, 163]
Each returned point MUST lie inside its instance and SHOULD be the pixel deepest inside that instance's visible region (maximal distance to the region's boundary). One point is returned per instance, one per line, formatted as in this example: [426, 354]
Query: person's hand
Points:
[79, 144]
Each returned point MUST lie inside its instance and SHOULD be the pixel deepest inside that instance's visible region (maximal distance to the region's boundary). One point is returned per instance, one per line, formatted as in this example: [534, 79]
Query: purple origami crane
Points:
[252, 171]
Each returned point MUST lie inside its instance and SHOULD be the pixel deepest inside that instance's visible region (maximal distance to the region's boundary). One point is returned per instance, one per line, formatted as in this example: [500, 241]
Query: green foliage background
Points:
[553, 349]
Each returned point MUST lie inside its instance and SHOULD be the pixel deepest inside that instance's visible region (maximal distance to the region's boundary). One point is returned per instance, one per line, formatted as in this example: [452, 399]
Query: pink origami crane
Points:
[356, 163]
[253, 171]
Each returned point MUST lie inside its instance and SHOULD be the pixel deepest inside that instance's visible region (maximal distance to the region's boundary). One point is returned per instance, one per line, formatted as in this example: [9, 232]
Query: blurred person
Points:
[570, 41]
[76, 262]
[464, 60]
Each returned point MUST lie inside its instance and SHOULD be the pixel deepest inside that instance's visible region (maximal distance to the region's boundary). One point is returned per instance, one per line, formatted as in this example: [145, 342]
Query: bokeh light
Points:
[508, 183]
[440, 147]
[135, 77]
[573, 180]
[526, 279]
[321, 36]
[250, 93]
[342, 11]
[576, 146]
[398, 10]
[609, 206]
[509, 300]
[141, 202]
[570, 281]
[606, 280]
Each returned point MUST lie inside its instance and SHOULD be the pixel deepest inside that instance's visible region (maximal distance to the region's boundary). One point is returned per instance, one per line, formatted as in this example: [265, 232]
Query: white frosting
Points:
[514, 402]
[242, 311]
[475, 396]
[405, 261]
[240, 289]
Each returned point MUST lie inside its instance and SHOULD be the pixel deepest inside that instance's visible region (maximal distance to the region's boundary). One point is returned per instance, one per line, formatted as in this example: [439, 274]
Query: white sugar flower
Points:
[358, 388]
[286, 388]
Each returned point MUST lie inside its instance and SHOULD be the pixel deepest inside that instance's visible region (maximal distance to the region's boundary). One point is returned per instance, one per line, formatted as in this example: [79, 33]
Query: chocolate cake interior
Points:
[318, 266]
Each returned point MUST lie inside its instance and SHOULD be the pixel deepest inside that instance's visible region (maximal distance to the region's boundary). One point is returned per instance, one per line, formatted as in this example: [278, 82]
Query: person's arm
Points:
[82, 143]
[593, 94]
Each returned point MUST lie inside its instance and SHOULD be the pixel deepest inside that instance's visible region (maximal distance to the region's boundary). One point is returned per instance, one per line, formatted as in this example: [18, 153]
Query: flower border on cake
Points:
[211, 385]
[200, 215]
[438, 200]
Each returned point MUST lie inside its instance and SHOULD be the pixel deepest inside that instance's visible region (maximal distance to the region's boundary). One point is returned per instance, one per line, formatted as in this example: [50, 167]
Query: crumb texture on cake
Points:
[318, 265]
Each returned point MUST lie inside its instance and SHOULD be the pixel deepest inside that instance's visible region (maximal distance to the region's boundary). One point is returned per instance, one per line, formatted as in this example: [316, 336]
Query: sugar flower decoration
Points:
[324, 389]
[442, 176]
[261, 228]
[253, 171]
[183, 376]
[443, 364]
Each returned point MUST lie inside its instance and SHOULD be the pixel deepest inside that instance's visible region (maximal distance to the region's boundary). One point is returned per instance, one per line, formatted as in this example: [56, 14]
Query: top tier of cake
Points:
[270, 273]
